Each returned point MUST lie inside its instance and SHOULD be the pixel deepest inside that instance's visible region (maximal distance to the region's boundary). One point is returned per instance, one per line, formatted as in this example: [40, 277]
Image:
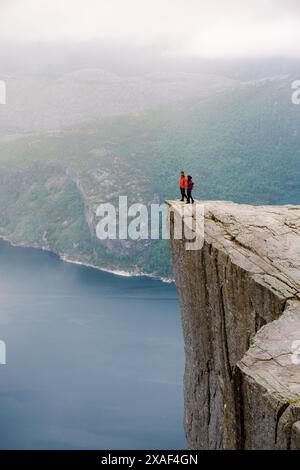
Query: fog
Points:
[43, 44]
[227, 29]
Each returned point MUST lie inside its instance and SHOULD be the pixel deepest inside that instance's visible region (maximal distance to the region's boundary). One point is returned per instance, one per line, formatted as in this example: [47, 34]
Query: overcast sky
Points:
[203, 28]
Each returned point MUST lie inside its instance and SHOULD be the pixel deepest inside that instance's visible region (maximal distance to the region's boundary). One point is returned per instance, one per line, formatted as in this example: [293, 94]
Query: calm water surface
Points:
[93, 360]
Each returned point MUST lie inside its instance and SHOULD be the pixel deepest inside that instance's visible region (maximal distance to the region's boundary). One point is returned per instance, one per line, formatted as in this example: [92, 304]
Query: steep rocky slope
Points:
[240, 304]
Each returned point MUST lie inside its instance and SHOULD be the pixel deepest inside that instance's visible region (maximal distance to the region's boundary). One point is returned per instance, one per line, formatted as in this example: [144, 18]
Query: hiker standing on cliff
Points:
[190, 187]
[183, 186]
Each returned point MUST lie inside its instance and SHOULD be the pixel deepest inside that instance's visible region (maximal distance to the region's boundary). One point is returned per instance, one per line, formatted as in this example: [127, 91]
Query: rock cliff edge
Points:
[240, 307]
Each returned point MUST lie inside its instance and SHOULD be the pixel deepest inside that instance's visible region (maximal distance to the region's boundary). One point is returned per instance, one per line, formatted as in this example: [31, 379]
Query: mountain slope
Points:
[240, 144]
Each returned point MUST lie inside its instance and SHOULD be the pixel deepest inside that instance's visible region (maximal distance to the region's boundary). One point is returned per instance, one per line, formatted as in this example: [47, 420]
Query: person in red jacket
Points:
[183, 186]
[190, 187]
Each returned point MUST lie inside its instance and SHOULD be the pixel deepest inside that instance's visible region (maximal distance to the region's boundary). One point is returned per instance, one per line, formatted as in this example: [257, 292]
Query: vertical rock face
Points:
[240, 306]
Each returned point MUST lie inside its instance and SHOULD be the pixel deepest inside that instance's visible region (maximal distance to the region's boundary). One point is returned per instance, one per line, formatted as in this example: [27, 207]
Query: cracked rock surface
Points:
[240, 307]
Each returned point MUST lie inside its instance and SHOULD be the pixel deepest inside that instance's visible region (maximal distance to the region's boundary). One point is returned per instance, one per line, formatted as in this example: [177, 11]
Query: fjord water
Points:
[94, 361]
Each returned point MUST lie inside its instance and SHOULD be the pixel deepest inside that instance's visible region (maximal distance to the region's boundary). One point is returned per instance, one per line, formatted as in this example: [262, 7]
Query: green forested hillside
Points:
[241, 145]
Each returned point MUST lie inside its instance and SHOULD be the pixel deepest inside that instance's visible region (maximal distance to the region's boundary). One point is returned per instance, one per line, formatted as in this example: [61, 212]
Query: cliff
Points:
[240, 307]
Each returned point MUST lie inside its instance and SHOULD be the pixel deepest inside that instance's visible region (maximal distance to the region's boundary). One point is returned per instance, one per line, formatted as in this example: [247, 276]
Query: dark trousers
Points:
[189, 196]
[183, 195]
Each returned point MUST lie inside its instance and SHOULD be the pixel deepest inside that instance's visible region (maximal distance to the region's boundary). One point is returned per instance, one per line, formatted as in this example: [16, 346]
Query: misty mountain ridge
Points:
[38, 103]
[242, 144]
[43, 103]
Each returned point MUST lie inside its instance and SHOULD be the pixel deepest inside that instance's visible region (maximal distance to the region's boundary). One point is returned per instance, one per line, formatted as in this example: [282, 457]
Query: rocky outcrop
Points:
[240, 306]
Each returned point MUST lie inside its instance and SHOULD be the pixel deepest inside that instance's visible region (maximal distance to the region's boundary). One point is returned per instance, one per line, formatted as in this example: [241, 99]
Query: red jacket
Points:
[183, 182]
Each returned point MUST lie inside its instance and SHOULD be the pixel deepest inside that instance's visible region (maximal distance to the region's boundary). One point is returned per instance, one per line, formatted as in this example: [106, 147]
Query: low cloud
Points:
[219, 28]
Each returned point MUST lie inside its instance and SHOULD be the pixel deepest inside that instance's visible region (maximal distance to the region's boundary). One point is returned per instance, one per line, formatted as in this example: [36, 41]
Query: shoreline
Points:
[65, 259]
